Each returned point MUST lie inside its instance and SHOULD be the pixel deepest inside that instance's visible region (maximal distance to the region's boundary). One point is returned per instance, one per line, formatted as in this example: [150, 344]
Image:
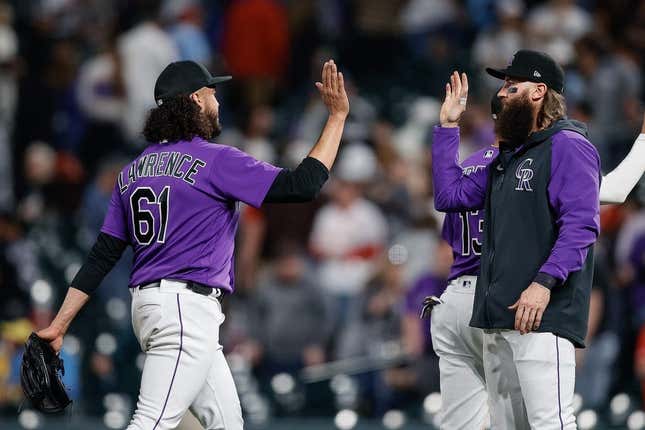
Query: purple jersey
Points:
[176, 204]
[463, 230]
[572, 156]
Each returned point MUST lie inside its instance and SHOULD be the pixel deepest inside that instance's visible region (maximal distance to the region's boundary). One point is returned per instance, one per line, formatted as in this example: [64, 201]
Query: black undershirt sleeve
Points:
[302, 184]
[102, 257]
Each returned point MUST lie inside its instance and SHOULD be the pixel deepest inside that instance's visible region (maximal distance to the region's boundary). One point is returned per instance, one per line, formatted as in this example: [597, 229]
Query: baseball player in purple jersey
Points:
[177, 204]
[459, 346]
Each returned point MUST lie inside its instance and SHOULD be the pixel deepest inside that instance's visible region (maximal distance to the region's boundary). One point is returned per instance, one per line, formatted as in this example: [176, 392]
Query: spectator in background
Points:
[374, 331]
[8, 93]
[12, 335]
[257, 134]
[612, 83]
[635, 30]
[639, 364]
[292, 324]
[186, 27]
[422, 375]
[629, 270]
[144, 52]
[102, 100]
[256, 47]
[595, 364]
[636, 268]
[416, 332]
[40, 172]
[497, 44]
[389, 187]
[422, 18]
[553, 28]
[374, 28]
[91, 214]
[348, 234]
[14, 297]
[55, 118]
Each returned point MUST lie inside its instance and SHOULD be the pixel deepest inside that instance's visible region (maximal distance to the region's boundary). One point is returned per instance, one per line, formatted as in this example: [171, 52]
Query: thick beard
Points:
[514, 122]
[212, 118]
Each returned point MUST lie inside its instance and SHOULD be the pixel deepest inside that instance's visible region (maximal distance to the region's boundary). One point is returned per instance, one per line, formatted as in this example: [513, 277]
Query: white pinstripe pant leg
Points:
[185, 367]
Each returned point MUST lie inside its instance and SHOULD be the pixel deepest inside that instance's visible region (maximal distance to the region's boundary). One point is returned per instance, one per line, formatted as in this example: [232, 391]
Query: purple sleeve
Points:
[115, 223]
[454, 191]
[573, 195]
[238, 176]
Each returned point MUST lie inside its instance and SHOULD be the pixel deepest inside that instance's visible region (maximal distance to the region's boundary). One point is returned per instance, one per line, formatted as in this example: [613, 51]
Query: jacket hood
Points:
[557, 126]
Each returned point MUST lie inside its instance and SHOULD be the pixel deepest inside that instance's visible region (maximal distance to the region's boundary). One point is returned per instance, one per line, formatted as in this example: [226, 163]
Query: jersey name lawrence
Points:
[463, 230]
[176, 204]
[165, 163]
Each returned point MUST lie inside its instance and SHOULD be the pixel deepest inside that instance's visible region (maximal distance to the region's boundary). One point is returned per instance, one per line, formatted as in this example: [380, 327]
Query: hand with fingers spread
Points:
[530, 307]
[455, 103]
[332, 90]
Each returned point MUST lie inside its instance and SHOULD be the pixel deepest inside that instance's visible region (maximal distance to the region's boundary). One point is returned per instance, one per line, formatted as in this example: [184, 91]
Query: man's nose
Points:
[503, 92]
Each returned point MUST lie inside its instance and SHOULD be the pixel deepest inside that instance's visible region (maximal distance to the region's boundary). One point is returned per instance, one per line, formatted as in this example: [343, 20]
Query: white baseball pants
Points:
[541, 366]
[464, 400]
[459, 347]
[185, 367]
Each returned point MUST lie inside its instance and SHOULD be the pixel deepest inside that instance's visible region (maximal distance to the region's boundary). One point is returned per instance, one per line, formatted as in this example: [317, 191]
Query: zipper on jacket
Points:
[499, 185]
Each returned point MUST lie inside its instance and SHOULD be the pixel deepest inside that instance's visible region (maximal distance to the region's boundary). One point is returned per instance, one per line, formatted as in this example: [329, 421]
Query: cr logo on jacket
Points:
[524, 174]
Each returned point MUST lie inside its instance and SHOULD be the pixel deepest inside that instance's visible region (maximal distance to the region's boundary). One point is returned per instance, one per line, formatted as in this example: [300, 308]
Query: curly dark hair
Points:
[178, 118]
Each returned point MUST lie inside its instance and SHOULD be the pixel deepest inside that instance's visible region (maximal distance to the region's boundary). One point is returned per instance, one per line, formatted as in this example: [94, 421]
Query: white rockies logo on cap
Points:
[488, 154]
[537, 74]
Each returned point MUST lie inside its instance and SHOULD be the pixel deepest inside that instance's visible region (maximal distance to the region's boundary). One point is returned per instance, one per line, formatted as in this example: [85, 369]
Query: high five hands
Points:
[332, 90]
[455, 103]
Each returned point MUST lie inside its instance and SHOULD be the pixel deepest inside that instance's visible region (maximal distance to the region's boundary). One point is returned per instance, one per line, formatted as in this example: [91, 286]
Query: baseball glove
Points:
[428, 303]
[40, 378]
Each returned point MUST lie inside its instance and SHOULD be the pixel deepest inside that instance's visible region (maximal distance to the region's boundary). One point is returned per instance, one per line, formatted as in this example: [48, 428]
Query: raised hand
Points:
[332, 90]
[455, 103]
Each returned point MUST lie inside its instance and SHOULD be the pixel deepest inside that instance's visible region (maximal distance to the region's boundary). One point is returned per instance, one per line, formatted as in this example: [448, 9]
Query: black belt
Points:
[195, 287]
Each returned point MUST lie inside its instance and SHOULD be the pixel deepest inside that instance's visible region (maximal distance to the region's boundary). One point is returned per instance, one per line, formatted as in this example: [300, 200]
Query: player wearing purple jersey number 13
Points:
[176, 204]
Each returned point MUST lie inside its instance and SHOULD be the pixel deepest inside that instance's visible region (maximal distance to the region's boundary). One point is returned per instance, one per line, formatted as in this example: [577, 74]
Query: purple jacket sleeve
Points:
[454, 191]
[573, 195]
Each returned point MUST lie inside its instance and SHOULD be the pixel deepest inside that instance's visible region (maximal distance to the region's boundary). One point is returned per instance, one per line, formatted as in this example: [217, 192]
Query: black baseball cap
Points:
[532, 66]
[184, 77]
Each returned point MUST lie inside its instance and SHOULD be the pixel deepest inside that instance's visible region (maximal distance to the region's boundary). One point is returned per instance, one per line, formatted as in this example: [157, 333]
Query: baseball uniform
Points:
[460, 347]
[538, 193]
[176, 204]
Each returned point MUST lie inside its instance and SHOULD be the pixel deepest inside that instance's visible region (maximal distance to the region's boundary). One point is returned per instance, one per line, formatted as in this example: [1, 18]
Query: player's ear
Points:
[196, 98]
[538, 92]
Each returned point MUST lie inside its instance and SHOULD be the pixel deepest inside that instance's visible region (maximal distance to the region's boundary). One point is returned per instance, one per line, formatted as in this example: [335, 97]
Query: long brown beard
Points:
[514, 122]
[213, 124]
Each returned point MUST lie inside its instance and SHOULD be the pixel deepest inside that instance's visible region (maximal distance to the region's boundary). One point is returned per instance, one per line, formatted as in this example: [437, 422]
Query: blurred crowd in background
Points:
[340, 280]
